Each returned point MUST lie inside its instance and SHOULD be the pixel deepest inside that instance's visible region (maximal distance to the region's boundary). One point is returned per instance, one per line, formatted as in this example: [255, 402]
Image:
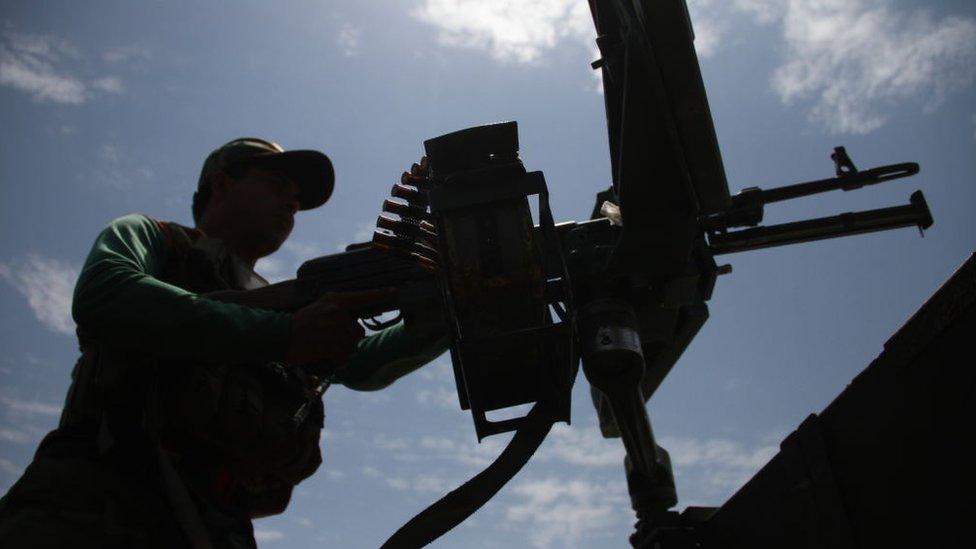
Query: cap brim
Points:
[311, 170]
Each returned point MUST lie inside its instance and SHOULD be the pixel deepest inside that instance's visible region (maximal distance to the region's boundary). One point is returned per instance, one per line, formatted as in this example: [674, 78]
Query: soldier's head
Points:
[250, 189]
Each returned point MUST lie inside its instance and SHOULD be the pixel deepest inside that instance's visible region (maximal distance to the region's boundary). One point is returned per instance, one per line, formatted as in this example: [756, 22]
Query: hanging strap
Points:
[184, 510]
[459, 504]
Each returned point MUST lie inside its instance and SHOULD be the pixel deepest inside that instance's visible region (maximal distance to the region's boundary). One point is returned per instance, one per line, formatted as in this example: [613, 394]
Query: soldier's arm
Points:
[382, 358]
[120, 300]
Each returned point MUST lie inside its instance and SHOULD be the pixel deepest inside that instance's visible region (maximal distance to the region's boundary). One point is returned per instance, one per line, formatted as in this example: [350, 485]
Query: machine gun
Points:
[624, 293]
[527, 302]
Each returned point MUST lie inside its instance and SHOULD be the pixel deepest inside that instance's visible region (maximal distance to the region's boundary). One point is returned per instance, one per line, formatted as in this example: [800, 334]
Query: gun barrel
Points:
[916, 213]
[849, 182]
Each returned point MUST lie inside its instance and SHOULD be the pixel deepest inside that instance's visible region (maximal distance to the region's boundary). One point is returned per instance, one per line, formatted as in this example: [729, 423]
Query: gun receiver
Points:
[506, 349]
[361, 267]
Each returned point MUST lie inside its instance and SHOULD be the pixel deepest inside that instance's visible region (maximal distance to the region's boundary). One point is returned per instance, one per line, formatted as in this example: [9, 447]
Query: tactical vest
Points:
[229, 428]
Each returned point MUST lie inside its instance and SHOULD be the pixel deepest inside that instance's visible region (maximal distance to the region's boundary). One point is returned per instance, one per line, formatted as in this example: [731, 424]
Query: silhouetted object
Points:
[526, 304]
[671, 198]
[887, 464]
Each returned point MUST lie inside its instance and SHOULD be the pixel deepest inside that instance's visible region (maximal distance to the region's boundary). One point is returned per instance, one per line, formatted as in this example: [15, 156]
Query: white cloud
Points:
[440, 389]
[30, 407]
[109, 153]
[286, 262]
[348, 39]
[370, 472]
[44, 47]
[441, 370]
[416, 483]
[576, 446]
[272, 269]
[708, 471]
[582, 504]
[116, 169]
[38, 65]
[422, 484]
[849, 63]
[47, 284]
[763, 11]
[523, 32]
[108, 84]
[10, 468]
[335, 474]
[509, 30]
[438, 443]
[386, 443]
[710, 23]
[398, 483]
[854, 60]
[440, 396]
[469, 452]
[39, 79]
[262, 535]
[563, 513]
[124, 54]
[431, 483]
[692, 452]
[364, 233]
[25, 421]
[583, 446]
[304, 521]
[12, 435]
[302, 250]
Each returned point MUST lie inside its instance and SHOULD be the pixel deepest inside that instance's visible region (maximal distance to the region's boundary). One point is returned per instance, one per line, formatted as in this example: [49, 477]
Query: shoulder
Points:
[146, 226]
[135, 221]
[136, 224]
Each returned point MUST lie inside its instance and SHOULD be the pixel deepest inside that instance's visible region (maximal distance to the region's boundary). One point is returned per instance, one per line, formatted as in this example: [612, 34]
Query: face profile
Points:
[268, 202]
[258, 208]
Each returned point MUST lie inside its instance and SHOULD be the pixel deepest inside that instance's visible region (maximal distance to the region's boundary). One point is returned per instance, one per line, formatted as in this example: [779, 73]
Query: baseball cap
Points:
[310, 170]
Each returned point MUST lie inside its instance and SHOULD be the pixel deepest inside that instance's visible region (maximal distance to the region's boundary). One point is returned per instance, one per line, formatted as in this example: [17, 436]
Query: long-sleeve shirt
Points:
[121, 298]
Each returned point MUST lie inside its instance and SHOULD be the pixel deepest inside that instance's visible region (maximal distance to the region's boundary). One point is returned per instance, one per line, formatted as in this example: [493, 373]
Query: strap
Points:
[449, 511]
[459, 504]
[184, 509]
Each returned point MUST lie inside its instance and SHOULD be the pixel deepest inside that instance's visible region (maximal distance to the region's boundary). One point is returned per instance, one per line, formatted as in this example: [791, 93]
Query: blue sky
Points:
[110, 107]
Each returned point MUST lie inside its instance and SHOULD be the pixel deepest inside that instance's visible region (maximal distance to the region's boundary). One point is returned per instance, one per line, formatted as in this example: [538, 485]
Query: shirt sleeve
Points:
[120, 300]
[383, 357]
